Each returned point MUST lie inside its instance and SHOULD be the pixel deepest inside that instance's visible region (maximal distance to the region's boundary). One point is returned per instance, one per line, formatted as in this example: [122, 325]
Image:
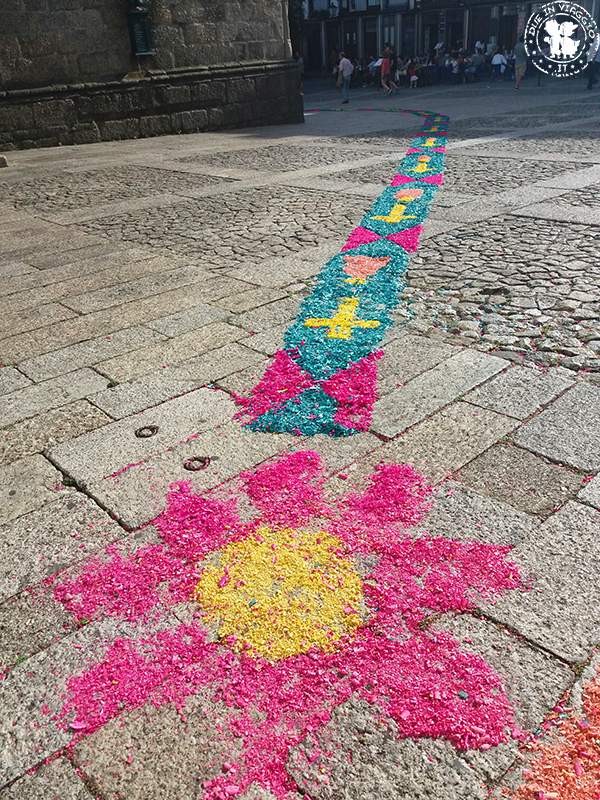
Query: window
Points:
[389, 31]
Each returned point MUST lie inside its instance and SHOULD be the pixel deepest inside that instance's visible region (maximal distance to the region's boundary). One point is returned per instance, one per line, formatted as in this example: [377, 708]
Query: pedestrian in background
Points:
[520, 55]
[387, 83]
[345, 70]
[498, 65]
[413, 77]
[593, 66]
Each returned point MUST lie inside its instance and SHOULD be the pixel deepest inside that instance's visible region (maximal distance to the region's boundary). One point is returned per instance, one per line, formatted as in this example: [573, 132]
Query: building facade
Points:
[413, 27]
[90, 70]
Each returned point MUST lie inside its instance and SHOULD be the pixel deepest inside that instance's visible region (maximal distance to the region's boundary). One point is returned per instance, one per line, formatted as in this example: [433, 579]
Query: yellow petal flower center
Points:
[278, 593]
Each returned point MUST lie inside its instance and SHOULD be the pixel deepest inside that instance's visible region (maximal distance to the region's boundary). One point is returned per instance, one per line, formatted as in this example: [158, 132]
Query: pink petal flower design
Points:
[365, 572]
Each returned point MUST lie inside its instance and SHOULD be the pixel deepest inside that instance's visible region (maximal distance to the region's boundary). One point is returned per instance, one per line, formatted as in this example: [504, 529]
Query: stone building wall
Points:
[191, 33]
[53, 42]
[68, 74]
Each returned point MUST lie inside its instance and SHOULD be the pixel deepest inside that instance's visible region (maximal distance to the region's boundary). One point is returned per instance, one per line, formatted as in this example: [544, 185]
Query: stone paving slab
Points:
[100, 453]
[11, 269]
[254, 298]
[448, 439]
[97, 253]
[301, 265]
[14, 322]
[245, 380]
[582, 215]
[430, 391]
[35, 434]
[25, 485]
[437, 447]
[84, 276]
[137, 495]
[568, 430]
[86, 265]
[365, 758]
[521, 391]
[24, 241]
[27, 233]
[48, 539]
[268, 315]
[29, 622]
[57, 779]
[555, 611]
[578, 179]
[157, 387]
[134, 290]
[33, 619]
[86, 354]
[34, 692]
[408, 356]
[279, 157]
[534, 682]
[11, 380]
[194, 738]
[49, 394]
[145, 359]
[464, 514]
[188, 320]
[521, 479]
[267, 341]
[100, 323]
[591, 492]
[553, 738]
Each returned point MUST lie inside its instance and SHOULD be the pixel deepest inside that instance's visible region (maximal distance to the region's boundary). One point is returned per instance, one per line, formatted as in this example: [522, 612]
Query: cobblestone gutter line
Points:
[324, 378]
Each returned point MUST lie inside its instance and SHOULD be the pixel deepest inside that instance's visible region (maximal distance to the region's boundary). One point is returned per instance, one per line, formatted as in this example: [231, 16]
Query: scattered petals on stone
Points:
[565, 761]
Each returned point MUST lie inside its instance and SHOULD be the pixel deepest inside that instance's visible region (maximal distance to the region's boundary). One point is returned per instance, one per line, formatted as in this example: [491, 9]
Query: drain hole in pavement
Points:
[196, 463]
[146, 431]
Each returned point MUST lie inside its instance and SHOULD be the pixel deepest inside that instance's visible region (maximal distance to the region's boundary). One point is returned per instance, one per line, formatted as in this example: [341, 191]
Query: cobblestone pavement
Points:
[88, 187]
[282, 220]
[144, 285]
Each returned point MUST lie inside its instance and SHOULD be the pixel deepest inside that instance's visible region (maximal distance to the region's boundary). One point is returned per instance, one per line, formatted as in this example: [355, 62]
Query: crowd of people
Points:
[390, 71]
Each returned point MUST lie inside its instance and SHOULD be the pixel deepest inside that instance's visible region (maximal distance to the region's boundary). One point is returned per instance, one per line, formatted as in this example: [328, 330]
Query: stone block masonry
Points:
[68, 74]
[202, 99]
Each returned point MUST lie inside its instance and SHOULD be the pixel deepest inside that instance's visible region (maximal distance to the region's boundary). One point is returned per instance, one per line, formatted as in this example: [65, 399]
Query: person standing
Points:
[345, 70]
[593, 66]
[413, 77]
[498, 65]
[520, 54]
[387, 83]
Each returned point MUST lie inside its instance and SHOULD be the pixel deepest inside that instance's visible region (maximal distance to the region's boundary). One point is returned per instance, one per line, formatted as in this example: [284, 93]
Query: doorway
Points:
[370, 38]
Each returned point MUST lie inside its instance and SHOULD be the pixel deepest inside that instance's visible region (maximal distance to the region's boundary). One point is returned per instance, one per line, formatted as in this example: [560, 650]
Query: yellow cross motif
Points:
[396, 214]
[343, 321]
[430, 142]
[422, 165]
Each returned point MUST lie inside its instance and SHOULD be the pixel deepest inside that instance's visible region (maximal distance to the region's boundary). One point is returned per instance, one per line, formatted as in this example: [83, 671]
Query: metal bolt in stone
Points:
[196, 463]
[146, 431]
